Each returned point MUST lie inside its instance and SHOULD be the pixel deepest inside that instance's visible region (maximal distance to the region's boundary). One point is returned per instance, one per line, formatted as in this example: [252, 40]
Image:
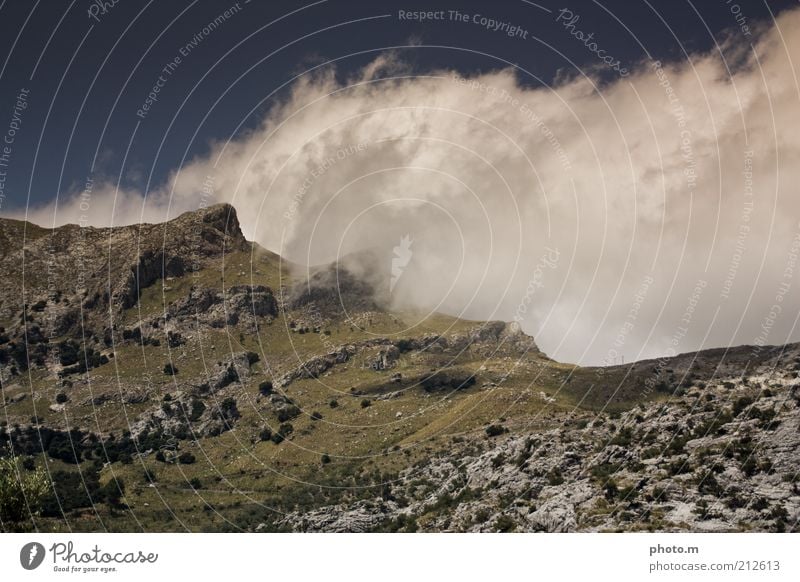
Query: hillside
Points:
[178, 377]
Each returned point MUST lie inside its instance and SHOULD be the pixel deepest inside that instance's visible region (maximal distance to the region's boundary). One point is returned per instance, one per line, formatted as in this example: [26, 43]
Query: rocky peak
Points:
[105, 268]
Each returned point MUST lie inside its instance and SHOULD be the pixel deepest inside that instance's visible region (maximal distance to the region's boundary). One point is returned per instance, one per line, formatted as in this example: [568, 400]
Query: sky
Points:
[616, 176]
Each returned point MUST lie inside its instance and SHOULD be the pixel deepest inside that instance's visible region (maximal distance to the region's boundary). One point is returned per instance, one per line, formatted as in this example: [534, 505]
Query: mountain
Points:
[177, 377]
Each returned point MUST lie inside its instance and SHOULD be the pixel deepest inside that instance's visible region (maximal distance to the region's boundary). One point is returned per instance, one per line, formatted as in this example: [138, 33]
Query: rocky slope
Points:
[721, 457]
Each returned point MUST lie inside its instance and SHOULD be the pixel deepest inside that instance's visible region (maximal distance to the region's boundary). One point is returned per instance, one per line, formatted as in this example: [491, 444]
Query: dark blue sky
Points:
[88, 76]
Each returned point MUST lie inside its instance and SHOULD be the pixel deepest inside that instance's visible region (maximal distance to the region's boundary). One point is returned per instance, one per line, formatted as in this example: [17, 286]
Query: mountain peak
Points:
[219, 217]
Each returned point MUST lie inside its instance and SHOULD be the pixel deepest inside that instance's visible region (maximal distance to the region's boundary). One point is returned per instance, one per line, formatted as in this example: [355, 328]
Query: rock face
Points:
[240, 303]
[208, 409]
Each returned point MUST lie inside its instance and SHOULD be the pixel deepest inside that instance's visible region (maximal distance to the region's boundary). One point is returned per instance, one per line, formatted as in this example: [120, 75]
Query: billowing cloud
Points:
[656, 213]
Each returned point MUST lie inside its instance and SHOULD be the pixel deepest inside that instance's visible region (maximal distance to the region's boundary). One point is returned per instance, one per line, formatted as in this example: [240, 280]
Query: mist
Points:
[649, 215]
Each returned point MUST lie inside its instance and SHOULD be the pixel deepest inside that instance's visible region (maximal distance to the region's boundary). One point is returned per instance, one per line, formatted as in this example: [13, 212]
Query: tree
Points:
[20, 495]
[265, 388]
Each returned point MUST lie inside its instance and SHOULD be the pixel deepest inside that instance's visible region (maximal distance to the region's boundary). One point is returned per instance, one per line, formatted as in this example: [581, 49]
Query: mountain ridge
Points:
[172, 362]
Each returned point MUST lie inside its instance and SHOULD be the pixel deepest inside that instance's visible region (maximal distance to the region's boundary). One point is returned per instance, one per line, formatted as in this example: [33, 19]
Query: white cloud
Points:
[484, 174]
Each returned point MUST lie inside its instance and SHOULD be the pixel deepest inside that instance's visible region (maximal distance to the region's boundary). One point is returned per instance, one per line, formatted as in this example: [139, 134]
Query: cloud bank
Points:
[652, 215]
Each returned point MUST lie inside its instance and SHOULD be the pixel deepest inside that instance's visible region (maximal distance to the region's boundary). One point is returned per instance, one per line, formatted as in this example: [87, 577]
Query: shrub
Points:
[174, 339]
[265, 434]
[265, 388]
[504, 524]
[186, 458]
[494, 430]
[554, 477]
[404, 345]
[227, 409]
[366, 403]
[741, 404]
[170, 369]
[61, 398]
[284, 430]
[252, 358]
[623, 437]
[749, 467]
[198, 408]
[316, 415]
[326, 459]
[288, 413]
[333, 404]
[68, 353]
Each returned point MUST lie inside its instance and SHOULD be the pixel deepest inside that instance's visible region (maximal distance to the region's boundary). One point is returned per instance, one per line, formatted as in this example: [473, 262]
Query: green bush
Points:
[504, 524]
[741, 404]
[623, 438]
[288, 413]
[198, 408]
[284, 430]
[227, 410]
[611, 490]
[186, 458]
[494, 430]
[554, 477]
